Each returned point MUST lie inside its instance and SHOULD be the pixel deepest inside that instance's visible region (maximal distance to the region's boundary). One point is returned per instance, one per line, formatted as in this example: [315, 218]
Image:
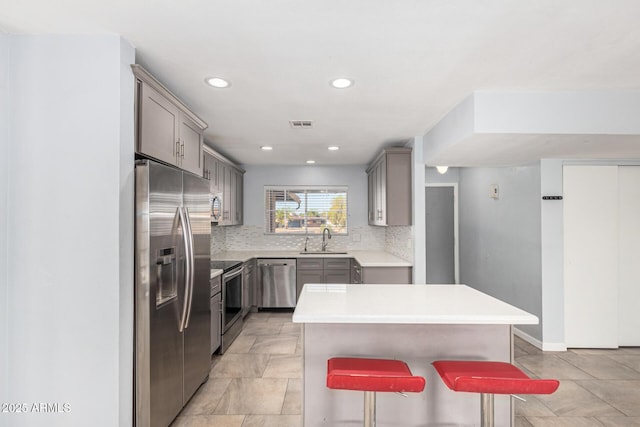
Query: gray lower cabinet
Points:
[356, 272]
[386, 275]
[216, 314]
[248, 286]
[322, 270]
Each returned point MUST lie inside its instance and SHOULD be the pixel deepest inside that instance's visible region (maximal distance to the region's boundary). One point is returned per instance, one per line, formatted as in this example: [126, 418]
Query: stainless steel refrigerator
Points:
[172, 301]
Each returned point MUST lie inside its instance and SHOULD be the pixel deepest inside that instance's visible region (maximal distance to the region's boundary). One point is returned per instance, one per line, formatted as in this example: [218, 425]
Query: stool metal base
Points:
[486, 410]
[369, 409]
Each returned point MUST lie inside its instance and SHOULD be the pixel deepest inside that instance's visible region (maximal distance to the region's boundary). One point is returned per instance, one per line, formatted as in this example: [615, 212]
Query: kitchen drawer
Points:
[310, 263]
[337, 276]
[337, 263]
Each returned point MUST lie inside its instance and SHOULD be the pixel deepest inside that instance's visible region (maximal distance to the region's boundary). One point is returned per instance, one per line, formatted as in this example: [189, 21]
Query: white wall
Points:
[552, 256]
[4, 166]
[500, 243]
[70, 222]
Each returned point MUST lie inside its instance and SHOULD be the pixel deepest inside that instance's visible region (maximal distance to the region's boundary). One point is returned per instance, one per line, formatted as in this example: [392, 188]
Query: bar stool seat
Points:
[371, 376]
[489, 378]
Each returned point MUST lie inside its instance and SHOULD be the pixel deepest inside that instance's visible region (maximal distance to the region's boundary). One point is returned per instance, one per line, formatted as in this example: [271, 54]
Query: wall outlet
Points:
[409, 243]
[356, 237]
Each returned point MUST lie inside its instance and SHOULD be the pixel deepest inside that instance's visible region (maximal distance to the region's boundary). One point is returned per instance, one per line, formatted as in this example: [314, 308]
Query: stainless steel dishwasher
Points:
[277, 283]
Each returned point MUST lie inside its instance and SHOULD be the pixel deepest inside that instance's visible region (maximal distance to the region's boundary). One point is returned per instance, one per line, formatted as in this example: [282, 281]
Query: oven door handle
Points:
[233, 274]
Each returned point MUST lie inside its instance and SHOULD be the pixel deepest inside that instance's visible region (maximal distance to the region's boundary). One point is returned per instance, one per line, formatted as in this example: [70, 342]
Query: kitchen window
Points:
[305, 210]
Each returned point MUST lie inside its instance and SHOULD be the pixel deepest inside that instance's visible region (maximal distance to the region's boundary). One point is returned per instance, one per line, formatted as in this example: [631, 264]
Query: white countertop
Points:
[215, 272]
[405, 304]
[364, 258]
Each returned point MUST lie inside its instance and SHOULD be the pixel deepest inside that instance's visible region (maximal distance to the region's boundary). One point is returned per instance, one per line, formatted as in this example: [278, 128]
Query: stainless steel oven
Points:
[231, 303]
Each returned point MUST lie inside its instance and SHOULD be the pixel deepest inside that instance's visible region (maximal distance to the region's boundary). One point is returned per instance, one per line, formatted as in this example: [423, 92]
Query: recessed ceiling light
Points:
[217, 82]
[333, 148]
[442, 169]
[266, 148]
[310, 162]
[341, 83]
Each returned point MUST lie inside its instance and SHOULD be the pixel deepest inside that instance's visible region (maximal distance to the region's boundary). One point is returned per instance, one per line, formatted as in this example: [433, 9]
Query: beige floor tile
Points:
[533, 407]
[293, 398]
[552, 366]
[279, 344]
[209, 421]
[253, 396]
[526, 348]
[623, 395]
[242, 344]
[207, 397]
[594, 351]
[283, 366]
[262, 328]
[272, 421]
[564, 422]
[630, 360]
[604, 368]
[291, 329]
[572, 400]
[619, 421]
[522, 422]
[233, 365]
[281, 317]
[630, 350]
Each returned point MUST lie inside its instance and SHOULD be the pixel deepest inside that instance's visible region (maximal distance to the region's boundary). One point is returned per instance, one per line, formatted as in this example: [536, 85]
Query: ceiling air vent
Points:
[301, 124]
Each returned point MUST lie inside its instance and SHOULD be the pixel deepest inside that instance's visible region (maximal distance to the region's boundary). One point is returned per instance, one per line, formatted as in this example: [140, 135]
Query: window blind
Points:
[305, 209]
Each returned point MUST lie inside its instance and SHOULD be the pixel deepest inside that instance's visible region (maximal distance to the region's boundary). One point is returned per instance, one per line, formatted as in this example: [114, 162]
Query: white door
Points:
[629, 266]
[591, 256]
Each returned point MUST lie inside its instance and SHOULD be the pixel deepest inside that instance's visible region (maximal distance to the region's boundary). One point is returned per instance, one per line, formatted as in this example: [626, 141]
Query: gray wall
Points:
[432, 176]
[257, 177]
[4, 166]
[69, 229]
[500, 243]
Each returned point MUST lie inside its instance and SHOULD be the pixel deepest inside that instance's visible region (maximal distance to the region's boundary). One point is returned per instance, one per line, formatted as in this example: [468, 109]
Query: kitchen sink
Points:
[322, 253]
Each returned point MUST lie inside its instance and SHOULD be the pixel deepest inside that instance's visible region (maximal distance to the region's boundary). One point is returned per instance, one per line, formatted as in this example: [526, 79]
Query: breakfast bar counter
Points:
[414, 323]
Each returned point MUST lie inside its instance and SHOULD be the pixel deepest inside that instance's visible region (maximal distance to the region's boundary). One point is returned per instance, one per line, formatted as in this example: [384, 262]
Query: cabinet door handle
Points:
[182, 150]
[177, 149]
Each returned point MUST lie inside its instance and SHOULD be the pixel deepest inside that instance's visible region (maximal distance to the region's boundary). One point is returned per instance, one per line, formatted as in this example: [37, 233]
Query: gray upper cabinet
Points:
[227, 183]
[166, 129]
[389, 182]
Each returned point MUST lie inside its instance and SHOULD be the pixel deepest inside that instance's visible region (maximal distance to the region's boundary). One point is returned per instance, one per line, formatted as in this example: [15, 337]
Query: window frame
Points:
[306, 188]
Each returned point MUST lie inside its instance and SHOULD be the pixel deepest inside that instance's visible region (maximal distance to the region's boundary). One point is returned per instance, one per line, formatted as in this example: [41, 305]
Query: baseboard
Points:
[544, 346]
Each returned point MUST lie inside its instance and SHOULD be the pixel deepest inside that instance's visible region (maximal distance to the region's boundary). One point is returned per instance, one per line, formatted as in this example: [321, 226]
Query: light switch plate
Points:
[356, 237]
[494, 191]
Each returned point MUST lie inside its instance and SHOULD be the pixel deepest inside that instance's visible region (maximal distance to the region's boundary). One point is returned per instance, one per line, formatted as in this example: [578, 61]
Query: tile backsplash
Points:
[399, 241]
[251, 237]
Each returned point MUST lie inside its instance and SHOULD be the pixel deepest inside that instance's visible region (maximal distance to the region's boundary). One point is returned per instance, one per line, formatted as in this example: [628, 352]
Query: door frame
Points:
[456, 235]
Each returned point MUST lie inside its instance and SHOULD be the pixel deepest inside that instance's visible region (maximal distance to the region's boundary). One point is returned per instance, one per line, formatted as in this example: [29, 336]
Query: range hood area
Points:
[513, 128]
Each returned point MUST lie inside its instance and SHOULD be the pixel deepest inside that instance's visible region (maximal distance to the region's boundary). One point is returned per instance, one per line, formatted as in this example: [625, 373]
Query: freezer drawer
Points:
[277, 282]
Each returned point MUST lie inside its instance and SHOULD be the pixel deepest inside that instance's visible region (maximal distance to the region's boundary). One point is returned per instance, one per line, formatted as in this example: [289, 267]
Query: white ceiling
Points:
[412, 61]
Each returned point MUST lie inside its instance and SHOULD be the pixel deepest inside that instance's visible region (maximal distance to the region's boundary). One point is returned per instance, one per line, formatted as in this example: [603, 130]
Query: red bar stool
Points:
[489, 378]
[371, 376]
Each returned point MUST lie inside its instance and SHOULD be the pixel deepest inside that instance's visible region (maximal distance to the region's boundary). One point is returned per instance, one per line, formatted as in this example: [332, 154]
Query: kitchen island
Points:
[414, 323]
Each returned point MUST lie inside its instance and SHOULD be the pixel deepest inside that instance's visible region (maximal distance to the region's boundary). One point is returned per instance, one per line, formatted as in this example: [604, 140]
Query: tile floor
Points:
[257, 383]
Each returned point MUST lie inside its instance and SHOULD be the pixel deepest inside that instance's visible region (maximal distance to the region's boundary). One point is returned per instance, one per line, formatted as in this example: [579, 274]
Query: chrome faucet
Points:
[324, 242]
[305, 243]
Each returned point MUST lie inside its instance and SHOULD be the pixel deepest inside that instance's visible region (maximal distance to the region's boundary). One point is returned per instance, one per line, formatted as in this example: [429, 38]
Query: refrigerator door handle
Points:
[187, 276]
[192, 266]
